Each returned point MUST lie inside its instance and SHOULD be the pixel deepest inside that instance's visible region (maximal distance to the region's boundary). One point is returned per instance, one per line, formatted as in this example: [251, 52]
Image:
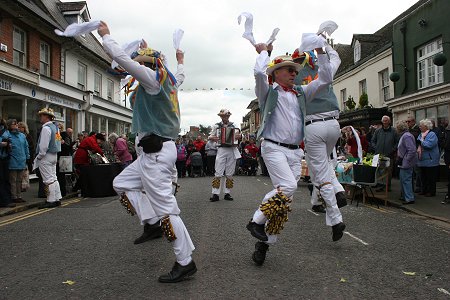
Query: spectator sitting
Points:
[120, 149]
[428, 152]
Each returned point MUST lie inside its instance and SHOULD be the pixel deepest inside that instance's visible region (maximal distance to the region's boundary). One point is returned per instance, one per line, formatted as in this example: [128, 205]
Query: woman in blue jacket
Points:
[17, 158]
[428, 154]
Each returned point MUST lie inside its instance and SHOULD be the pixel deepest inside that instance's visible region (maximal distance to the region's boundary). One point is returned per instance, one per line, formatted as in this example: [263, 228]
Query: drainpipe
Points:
[405, 70]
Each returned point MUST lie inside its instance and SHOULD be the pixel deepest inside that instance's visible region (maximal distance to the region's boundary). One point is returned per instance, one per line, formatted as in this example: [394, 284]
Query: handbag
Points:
[65, 164]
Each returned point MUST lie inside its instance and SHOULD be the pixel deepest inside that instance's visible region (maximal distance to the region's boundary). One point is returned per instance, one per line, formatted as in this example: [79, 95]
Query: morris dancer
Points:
[308, 73]
[283, 108]
[156, 119]
[225, 159]
[46, 158]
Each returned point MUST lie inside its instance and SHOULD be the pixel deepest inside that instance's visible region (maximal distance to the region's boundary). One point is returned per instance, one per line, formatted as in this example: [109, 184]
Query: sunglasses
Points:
[291, 70]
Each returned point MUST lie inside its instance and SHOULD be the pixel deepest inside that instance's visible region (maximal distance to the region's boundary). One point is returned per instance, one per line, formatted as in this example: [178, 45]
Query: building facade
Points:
[40, 69]
[422, 82]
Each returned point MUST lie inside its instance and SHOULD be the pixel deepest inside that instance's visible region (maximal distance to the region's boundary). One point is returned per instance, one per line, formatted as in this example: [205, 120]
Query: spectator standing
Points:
[65, 154]
[385, 142]
[23, 127]
[181, 159]
[253, 151]
[447, 162]
[5, 186]
[428, 152]
[120, 147]
[211, 153]
[415, 131]
[406, 160]
[18, 156]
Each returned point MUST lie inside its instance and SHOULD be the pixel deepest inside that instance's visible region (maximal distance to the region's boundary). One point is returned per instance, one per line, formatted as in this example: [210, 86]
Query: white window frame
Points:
[81, 82]
[428, 74]
[44, 62]
[384, 84]
[357, 51]
[343, 95]
[362, 87]
[97, 84]
[110, 90]
[21, 50]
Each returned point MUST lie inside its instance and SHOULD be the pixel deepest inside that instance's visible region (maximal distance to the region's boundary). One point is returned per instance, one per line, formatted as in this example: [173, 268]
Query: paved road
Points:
[90, 242]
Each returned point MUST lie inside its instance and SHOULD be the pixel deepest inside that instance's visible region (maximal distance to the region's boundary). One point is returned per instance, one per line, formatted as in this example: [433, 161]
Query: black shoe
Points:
[338, 231]
[319, 209]
[341, 199]
[408, 202]
[150, 232]
[259, 256]
[178, 273]
[258, 231]
[214, 198]
[228, 197]
[49, 204]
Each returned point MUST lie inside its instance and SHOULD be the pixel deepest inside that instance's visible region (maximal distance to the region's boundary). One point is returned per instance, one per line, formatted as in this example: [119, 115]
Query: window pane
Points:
[431, 113]
[420, 115]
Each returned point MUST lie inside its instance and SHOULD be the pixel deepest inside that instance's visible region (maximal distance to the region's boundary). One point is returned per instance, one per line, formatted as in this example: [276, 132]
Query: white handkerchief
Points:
[177, 36]
[328, 27]
[248, 33]
[128, 48]
[358, 142]
[76, 29]
[311, 41]
[272, 37]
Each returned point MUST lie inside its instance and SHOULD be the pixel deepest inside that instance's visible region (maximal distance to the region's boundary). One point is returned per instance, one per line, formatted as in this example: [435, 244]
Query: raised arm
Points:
[179, 75]
[261, 82]
[146, 76]
[328, 64]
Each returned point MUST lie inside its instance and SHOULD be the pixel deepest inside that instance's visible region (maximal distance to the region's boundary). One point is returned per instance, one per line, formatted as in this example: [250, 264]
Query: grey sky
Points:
[216, 55]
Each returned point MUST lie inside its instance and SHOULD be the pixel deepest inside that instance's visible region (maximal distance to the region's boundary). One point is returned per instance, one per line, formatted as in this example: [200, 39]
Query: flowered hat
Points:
[282, 61]
[304, 58]
[47, 111]
[224, 112]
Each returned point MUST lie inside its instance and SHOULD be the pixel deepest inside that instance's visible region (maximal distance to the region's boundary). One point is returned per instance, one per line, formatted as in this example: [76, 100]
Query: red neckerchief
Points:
[286, 89]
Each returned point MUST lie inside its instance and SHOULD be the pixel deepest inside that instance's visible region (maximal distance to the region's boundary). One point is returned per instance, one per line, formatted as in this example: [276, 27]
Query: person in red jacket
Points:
[81, 158]
[199, 143]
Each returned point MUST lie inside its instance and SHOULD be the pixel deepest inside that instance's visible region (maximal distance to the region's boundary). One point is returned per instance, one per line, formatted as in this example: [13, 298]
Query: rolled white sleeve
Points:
[328, 64]
[179, 75]
[261, 81]
[213, 132]
[145, 76]
[46, 133]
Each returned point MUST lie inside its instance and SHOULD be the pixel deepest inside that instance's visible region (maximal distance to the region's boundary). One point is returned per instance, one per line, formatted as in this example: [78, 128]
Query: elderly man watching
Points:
[120, 149]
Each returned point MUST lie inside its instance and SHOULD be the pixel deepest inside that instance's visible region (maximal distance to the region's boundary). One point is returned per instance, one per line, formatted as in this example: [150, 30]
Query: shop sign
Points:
[5, 85]
[63, 102]
[438, 99]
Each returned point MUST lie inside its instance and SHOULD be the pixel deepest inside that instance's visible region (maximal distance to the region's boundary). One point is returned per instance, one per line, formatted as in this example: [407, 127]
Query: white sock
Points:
[259, 217]
[185, 261]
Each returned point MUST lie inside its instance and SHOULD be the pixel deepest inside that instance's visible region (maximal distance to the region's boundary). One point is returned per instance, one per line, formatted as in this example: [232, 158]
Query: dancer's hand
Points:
[180, 57]
[103, 29]
[261, 47]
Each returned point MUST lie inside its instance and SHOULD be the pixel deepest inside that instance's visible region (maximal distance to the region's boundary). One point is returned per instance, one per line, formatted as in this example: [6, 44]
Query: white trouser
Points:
[284, 166]
[337, 187]
[320, 139]
[47, 168]
[152, 172]
[225, 165]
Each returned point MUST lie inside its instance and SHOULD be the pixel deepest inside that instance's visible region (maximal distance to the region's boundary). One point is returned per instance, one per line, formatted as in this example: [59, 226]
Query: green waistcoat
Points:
[157, 114]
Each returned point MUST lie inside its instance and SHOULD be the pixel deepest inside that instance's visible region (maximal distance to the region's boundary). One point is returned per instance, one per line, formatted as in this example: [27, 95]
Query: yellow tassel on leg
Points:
[167, 229]
[276, 211]
[229, 183]
[127, 204]
[216, 182]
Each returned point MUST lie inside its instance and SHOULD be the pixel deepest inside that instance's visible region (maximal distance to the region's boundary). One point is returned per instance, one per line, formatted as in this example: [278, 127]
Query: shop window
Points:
[442, 115]
[98, 84]
[384, 84]
[95, 123]
[357, 52]
[19, 47]
[110, 89]
[428, 74]
[82, 69]
[362, 87]
[103, 125]
[44, 66]
[71, 119]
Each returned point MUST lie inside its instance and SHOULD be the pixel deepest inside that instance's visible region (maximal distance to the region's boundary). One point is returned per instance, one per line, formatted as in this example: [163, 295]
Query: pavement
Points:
[84, 250]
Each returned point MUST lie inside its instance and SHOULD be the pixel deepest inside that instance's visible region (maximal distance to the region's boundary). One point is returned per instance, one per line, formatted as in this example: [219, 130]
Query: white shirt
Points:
[143, 74]
[286, 122]
[44, 141]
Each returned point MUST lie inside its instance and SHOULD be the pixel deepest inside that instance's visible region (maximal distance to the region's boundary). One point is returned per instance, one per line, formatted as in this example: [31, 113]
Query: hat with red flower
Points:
[282, 61]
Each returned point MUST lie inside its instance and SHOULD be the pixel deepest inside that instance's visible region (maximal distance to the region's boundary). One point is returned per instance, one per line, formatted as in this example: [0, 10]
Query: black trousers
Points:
[5, 187]
[429, 176]
[181, 168]
[211, 164]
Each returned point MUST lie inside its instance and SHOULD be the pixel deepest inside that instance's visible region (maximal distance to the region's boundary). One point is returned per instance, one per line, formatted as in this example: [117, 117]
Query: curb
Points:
[25, 207]
[415, 211]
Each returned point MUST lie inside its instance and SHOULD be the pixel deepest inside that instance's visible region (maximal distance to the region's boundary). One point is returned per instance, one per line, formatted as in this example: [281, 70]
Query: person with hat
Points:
[282, 105]
[156, 120]
[324, 102]
[48, 146]
[226, 157]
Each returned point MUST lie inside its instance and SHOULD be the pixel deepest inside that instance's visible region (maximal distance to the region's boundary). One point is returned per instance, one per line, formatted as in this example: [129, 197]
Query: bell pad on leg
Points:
[167, 229]
[276, 211]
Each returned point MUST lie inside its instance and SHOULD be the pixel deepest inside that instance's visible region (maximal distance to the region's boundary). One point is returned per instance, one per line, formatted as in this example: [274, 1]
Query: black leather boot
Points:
[228, 197]
[341, 199]
[259, 256]
[318, 208]
[178, 273]
[150, 232]
[338, 231]
[257, 230]
[214, 198]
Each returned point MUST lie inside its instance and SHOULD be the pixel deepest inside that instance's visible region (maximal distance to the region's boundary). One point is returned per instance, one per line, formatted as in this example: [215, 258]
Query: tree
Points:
[363, 100]
[204, 129]
[350, 103]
